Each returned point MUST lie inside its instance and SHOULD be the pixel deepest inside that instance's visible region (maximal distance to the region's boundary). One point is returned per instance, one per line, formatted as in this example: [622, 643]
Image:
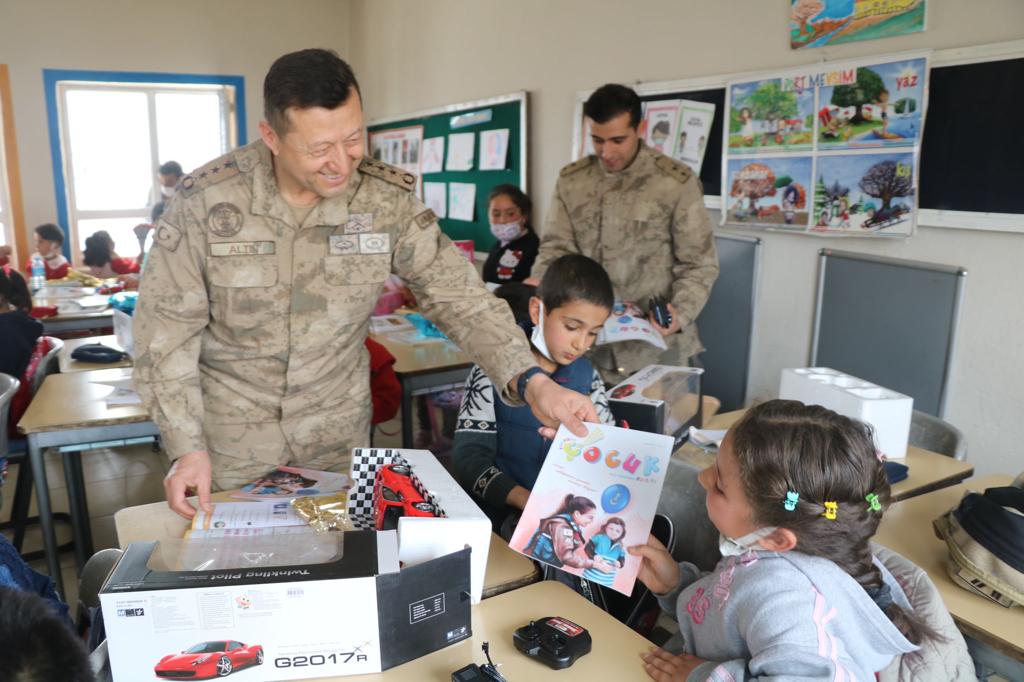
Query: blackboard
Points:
[726, 323]
[508, 111]
[972, 154]
[889, 321]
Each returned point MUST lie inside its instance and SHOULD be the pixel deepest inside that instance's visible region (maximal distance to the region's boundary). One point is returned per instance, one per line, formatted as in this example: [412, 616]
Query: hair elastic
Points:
[792, 497]
[873, 503]
[831, 510]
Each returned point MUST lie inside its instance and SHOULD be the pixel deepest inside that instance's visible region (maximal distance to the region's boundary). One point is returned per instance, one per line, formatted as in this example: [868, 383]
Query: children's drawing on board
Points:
[818, 23]
[766, 116]
[860, 193]
[770, 192]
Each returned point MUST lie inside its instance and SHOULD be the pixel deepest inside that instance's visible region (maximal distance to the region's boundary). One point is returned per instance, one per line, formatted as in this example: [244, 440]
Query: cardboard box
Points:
[460, 522]
[357, 614]
[660, 399]
[889, 413]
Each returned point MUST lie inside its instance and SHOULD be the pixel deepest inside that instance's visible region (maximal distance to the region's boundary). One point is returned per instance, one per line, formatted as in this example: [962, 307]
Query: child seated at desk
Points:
[18, 332]
[498, 451]
[796, 493]
[102, 261]
[49, 239]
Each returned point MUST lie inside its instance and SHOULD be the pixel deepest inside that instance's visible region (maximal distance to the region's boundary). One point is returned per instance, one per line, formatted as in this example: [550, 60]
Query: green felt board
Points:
[504, 115]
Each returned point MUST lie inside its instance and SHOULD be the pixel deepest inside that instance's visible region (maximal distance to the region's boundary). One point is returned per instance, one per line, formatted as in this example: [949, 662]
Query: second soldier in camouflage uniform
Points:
[641, 215]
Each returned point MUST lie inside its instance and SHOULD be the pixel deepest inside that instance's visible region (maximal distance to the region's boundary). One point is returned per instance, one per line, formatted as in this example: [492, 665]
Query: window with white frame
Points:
[114, 137]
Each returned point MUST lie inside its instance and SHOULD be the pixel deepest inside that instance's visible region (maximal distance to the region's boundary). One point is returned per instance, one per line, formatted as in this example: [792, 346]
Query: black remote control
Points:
[659, 308]
[556, 641]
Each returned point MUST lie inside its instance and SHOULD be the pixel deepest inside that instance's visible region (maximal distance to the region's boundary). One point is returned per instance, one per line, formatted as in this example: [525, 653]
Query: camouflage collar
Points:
[640, 164]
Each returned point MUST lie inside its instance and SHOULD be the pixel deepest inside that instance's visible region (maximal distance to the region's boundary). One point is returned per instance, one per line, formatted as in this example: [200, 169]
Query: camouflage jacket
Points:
[648, 227]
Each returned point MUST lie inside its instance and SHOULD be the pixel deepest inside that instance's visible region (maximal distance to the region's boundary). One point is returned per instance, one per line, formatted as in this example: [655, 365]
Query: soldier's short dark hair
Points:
[171, 168]
[575, 278]
[51, 233]
[611, 100]
[38, 645]
[305, 79]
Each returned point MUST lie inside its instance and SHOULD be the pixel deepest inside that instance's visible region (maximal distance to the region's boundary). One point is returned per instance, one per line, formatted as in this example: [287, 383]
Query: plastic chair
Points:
[937, 435]
[18, 454]
[683, 501]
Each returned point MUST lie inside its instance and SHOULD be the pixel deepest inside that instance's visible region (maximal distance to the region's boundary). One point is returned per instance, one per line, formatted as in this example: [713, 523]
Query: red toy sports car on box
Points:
[209, 659]
[395, 496]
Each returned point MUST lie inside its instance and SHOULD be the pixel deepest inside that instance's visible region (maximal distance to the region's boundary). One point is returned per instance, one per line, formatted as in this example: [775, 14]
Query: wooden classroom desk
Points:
[68, 364]
[928, 470]
[506, 569]
[907, 529]
[69, 410]
[614, 656]
[73, 321]
[424, 367]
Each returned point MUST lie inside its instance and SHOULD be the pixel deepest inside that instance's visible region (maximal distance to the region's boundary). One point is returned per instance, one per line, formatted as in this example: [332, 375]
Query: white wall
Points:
[414, 55]
[232, 37]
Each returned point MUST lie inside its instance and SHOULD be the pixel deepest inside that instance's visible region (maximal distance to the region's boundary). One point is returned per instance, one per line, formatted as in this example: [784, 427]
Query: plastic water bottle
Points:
[38, 279]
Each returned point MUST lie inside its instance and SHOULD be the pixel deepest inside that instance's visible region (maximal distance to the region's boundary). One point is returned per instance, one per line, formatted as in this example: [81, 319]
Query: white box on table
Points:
[460, 522]
[356, 614]
[123, 331]
[888, 412]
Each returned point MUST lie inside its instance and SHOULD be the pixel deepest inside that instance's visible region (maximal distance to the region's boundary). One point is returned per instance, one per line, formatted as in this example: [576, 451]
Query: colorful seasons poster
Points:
[769, 191]
[858, 193]
[764, 116]
[882, 107]
[817, 23]
[594, 497]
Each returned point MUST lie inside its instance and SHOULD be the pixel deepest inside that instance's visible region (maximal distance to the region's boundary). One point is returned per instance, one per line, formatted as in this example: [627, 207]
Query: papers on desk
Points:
[124, 391]
[707, 439]
[414, 338]
[65, 292]
[383, 324]
[85, 304]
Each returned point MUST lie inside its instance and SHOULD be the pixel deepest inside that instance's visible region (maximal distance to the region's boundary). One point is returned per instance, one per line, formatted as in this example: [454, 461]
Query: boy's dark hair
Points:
[51, 233]
[304, 79]
[171, 168]
[517, 295]
[784, 445]
[519, 198]
[575, 278]
[611, 100]
[98, 249]
[13, 289]
[37, 645]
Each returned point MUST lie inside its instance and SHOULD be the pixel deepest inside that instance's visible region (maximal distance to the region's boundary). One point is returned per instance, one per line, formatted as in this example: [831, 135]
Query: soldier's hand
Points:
[190, 471]
[671, 328]
[553, 405]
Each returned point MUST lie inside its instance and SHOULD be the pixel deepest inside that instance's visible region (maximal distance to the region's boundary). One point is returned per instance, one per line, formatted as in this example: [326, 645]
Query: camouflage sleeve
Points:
[172, 311]
[696, 263]
[451, 294]
[558, 238]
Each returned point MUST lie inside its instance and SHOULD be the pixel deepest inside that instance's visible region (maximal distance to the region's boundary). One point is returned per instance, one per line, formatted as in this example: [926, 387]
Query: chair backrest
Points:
[50, 363]
[8, 387]
[683, 501]
[946, 658]
[937, 435]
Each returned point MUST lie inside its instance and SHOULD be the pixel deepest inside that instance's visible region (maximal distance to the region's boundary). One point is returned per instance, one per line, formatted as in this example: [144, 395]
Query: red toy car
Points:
[395, 496]
[209, 659]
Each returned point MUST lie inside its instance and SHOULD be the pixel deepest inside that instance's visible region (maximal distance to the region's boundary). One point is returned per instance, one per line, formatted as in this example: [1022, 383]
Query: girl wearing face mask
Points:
[511, 258]
[497, 450]
[796, 493]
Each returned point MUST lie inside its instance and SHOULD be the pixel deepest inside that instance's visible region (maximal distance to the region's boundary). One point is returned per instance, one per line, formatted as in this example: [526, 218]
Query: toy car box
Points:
[459, 521]
[352, 615]
[659, 399]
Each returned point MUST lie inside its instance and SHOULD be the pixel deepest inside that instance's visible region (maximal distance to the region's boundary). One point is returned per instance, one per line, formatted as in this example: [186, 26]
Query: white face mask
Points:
[740, 546]
[506, 232]
[167, 192]
[538, 335]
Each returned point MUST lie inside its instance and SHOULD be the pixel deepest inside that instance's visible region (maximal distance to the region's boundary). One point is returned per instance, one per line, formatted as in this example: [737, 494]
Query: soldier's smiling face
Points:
[615, 142]
[316, 156]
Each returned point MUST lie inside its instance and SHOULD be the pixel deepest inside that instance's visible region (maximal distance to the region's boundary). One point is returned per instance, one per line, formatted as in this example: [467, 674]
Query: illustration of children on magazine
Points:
[592, 493]
[287, 482]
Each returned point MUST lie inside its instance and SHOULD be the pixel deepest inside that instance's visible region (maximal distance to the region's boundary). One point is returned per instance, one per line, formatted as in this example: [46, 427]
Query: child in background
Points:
[49, 240]
[607, 544]
[18, 332]
[797, 491]
[511, 258]
[102, 261]
[498, 451]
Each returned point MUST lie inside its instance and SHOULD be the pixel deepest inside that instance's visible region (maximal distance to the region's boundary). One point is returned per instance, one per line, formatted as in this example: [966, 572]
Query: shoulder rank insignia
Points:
[676, 169]
[576, 165]
[217, 170]
[388, 173]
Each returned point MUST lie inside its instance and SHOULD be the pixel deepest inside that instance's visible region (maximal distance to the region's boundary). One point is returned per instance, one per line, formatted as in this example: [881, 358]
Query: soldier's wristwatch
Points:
[524, 378]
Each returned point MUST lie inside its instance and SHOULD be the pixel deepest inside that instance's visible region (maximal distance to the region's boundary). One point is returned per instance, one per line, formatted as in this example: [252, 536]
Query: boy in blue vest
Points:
[498, 451]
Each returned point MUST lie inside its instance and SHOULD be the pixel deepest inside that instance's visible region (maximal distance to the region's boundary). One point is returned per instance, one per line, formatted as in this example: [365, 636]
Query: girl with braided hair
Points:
[796, 492]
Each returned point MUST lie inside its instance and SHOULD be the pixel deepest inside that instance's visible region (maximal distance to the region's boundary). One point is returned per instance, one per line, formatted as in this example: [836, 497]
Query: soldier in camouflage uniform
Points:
[257, 294]
[641, 215]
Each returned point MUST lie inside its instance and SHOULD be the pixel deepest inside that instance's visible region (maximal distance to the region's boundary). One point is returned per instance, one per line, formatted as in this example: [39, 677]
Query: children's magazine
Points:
[594, 497]
[628, 323]
[285, 483]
